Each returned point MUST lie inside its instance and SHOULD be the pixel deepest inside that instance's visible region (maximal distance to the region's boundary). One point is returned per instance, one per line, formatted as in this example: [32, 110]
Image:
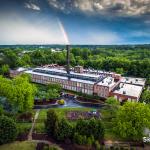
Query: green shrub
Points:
[90, 127]
[89, 141]
[97, 145]
[51, 122]
[64, 130]
[1, 110]
[8, 130]
[78, 139]
[61, 102]
[23, 128]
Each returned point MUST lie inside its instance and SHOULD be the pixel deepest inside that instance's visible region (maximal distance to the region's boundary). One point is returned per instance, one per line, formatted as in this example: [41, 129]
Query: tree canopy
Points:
[18, 92]
[146, 97]
[8, 130]
[131, 120]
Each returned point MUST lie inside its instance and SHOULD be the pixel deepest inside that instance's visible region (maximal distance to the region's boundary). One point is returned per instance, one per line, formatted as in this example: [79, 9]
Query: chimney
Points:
[68, 59]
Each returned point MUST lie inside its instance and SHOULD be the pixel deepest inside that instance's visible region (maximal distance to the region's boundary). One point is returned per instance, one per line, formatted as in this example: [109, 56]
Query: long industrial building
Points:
[91, 82]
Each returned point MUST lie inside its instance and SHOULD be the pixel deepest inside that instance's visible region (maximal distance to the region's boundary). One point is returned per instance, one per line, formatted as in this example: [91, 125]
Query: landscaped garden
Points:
[83, 127]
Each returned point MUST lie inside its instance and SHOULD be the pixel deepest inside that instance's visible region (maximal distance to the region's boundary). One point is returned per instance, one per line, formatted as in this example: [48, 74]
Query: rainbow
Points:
[63, 31]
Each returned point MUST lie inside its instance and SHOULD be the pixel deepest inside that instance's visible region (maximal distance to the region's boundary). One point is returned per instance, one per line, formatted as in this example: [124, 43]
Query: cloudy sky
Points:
[74, 21]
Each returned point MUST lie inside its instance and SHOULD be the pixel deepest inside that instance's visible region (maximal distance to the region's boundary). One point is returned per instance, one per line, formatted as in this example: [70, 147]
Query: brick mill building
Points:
[91, 82]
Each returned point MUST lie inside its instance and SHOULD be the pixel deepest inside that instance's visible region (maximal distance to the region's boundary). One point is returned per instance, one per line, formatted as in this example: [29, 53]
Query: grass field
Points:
[24, 127]
[19, 146]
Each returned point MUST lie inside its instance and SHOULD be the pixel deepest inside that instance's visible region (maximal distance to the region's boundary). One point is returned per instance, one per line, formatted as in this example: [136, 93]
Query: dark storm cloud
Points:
[120, 7]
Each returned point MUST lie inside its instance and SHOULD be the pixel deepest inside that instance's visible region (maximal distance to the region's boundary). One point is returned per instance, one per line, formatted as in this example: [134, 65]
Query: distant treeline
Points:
[133, 62]
[119, 47]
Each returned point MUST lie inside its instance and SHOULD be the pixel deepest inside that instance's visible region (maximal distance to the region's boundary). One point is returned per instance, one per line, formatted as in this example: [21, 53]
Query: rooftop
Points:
[61, 72]
[129, 89]
[60, 77]
[135, 81]
[108, 81]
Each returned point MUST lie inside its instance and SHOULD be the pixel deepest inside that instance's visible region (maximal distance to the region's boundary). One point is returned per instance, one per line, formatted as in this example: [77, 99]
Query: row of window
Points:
[77, 89]
[61, 81]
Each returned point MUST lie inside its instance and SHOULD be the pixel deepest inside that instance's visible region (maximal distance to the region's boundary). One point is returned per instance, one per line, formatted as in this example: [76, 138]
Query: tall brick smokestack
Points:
[68, 59]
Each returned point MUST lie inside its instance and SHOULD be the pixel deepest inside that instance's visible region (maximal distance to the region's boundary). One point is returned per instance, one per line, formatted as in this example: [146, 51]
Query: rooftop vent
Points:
[124, 92]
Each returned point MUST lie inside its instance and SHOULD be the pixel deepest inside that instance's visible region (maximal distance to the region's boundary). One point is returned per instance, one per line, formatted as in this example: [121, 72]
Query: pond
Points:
[69, 103]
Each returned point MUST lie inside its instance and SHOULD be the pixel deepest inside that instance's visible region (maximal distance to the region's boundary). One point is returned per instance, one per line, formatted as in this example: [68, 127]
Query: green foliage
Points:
[112, 101]
[52, 94]
[124, 60]
[18, 92]
[97, 145]
[25, 61]
[113, 106]
[83, 139]
[131, 120]
[146, 97]
[89, 141]
[119, 70]
[64, 130]
[90, 127]
[8, 130]
[52, 91]
[51, 122]
[54, 86]
[1, 110]
[5, 69]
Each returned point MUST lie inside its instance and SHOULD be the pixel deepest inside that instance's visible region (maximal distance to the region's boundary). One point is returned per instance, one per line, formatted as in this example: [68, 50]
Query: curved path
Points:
[33, 124]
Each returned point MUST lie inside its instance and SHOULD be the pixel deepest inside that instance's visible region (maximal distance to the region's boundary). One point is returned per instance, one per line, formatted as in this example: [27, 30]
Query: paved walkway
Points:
[33, 124]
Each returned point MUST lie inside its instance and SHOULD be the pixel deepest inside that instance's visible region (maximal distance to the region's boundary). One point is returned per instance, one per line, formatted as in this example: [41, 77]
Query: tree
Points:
[54, 86]
[113, 106]
[8, 130]
[64, 130]
[120, 71]
[146, 97]
[131, 120]
[25, 60]
[18, 92]
[112, 101]
[96, 128]
[52, 94]
[51, 122]
[1, 110]
[90, 128]
[5, 69]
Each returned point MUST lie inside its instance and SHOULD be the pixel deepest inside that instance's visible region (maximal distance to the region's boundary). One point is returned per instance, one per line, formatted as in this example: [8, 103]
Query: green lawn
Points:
[24, 127]
[40, 126]
[19, 146]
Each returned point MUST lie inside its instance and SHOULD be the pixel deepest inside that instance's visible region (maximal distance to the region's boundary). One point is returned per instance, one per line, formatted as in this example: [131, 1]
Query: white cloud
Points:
[140, 33]
[32, 6]
[104, 38]
[15, 30]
